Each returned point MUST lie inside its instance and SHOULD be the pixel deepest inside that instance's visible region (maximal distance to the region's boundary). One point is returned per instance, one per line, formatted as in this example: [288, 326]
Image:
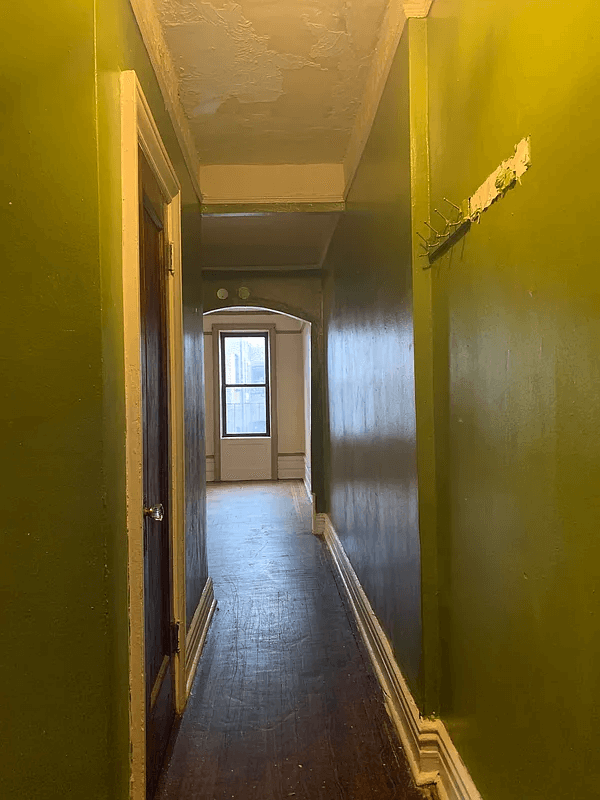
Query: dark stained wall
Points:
[295, 292]
[196, 565]
[371, 407]
[195, 464]
[517, 312]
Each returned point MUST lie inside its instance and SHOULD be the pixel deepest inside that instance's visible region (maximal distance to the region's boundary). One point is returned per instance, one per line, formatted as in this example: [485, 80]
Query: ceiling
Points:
[271, 81]
[272, 102]
[274, 241]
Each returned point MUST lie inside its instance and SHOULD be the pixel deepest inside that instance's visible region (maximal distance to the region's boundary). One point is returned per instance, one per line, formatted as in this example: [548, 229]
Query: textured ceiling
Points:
[271, 81]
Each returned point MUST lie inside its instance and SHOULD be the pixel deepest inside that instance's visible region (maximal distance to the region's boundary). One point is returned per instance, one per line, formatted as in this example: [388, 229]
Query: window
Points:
[245, 384]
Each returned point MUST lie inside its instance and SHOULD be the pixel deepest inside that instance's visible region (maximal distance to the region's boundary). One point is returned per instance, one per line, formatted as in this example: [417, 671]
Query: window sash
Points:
[264, 335]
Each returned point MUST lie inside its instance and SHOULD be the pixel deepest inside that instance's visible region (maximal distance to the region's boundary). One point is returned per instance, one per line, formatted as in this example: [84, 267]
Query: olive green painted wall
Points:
[517, 333]
[63, 571]
[372, 474]
[55, 662]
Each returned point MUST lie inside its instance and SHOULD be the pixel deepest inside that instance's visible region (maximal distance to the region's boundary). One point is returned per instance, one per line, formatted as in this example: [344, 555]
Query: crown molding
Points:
[247, 209]
[228, 184]
[391, 30]
[270, 268]
[166, 75]
[416, 8]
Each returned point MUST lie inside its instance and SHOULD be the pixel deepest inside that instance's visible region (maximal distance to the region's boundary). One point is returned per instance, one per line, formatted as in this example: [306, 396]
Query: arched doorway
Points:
[258, 378]
[299, 295]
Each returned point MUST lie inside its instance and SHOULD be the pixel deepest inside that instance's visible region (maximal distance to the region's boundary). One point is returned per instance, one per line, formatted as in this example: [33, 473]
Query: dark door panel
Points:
[160, 706]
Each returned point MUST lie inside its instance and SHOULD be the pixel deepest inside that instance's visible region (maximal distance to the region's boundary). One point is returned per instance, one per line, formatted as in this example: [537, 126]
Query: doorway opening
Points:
[154, 419]
[257, 365]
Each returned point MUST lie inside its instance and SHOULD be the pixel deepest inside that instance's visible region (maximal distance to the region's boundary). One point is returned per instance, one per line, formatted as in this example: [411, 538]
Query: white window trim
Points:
[217, 411]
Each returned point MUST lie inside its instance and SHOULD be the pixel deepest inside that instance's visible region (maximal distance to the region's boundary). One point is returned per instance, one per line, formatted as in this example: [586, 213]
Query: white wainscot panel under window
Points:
[246, 459]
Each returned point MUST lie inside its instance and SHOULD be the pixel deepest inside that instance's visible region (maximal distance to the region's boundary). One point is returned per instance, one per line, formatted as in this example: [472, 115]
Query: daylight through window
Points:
[245, 384]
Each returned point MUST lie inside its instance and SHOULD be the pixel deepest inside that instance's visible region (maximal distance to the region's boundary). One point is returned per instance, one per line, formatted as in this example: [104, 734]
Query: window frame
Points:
[224, 385]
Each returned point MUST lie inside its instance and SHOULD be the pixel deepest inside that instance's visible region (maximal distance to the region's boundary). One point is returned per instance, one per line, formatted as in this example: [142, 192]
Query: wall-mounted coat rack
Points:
[440, 242]
[460, 219]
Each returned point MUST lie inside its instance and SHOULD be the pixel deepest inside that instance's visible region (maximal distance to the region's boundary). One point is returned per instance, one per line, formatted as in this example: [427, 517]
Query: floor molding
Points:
[432, 757]
[210, 469]
[308, 479]
[290, 466]
[319, 524]
[196, 635]
[308, 490]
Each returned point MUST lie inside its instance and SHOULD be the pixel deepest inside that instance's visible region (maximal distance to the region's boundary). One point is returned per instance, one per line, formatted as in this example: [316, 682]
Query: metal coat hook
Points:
[453, 231]
[437, 233]
[439, 213]
[450, 203]
[424, 244]
[449, 223]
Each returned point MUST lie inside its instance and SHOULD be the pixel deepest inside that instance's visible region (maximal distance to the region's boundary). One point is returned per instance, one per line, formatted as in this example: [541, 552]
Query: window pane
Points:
[245, 359]
[246, 411]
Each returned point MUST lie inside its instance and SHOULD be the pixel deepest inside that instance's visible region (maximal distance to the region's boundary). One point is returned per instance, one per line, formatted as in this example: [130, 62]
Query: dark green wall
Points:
[517, 318]
[54, 664]
[195, 483]
[63, 581]
[371, 407]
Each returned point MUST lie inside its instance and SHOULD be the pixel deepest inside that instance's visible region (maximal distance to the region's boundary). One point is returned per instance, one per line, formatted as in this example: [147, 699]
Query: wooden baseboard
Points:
[290, 466]
[210, 469]
[432, 757]
[196, 635]
[308, 478]
[319, 524]
[308, 490]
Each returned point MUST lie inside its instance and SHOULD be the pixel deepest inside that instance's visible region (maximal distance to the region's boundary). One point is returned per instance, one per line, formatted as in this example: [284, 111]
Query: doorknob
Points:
[155, 512]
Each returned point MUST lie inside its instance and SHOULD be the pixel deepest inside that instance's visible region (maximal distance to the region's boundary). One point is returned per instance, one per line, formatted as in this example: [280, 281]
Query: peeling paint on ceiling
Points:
[271, 81]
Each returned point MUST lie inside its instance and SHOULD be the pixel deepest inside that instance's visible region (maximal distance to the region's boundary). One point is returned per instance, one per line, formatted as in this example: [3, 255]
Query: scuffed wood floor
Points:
[284, 704]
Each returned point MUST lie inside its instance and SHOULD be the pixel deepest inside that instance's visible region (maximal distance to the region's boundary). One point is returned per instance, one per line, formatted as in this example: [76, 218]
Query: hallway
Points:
[409, 187]
[284, 704]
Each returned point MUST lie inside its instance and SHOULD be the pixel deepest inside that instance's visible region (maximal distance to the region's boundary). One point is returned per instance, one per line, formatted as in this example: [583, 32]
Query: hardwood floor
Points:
[284, 704]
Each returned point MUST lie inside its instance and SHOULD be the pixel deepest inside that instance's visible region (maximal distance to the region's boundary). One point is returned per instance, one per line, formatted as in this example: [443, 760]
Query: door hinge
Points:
[174, 638]
[169, 259]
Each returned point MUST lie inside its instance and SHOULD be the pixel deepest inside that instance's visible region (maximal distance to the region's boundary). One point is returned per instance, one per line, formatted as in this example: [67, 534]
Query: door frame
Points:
[239, 327]
[139, 129]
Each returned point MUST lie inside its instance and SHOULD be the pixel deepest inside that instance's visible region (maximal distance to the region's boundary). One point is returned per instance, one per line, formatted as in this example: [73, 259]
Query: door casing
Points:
[139, 129]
